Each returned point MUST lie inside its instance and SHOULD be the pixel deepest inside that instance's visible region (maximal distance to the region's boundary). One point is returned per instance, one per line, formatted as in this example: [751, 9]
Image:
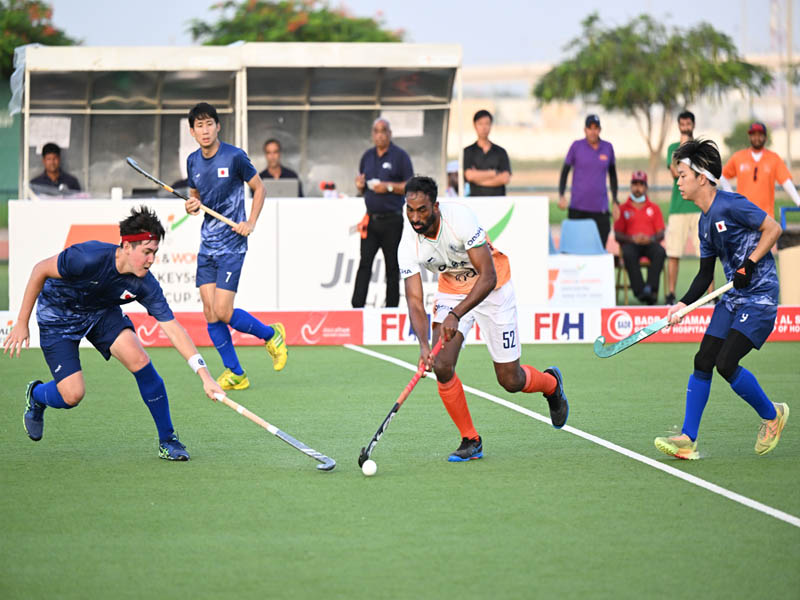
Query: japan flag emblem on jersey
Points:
[222, 172]
[126, 295]
[720, 225]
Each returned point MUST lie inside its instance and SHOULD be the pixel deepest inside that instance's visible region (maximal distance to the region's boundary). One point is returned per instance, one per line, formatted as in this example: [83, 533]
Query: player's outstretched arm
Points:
[185, 346]
[19, 335]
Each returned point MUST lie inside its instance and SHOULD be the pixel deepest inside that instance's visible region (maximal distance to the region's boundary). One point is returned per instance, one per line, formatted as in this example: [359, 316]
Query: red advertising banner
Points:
[303, 328]
[620, 322]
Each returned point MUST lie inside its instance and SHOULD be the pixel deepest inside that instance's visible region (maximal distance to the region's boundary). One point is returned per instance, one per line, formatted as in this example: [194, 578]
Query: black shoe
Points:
[468, 450]
[648, 296]
[559, 407]
[670, 299]
[33, 419]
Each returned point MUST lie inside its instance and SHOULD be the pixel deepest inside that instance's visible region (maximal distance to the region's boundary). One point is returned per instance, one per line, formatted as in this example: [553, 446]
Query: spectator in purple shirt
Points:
[592, 159]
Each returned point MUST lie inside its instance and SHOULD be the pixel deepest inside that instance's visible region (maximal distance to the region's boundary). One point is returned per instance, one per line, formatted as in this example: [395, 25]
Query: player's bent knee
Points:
[139, 362]
[511, 385]
[444, 373]
[704, 362]
[223, 313]
[512, 381]
[727, 367]
[73, 395]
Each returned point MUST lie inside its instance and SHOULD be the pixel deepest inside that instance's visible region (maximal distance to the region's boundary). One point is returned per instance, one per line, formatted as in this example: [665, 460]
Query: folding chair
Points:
[580, 236]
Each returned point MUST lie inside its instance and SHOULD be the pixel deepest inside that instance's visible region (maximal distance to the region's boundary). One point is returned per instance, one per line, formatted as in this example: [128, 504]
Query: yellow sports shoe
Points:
[276, 347]
[679, 446]
[231, 381]
[769, 434]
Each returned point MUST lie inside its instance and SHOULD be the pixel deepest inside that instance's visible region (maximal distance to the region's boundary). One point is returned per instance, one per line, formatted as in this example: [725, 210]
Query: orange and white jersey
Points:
[446, 254]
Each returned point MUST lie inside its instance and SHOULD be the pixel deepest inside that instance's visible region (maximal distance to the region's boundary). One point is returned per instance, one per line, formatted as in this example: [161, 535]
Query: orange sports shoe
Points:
[769, 433]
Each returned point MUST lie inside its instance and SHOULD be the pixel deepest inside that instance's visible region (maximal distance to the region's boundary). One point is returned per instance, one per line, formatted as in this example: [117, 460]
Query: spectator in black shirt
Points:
[53, 180]
[275, 170]
[382, 176]
[486, 165]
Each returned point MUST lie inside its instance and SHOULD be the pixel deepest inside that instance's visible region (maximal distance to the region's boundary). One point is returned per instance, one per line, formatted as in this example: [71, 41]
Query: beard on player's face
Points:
[424, 226]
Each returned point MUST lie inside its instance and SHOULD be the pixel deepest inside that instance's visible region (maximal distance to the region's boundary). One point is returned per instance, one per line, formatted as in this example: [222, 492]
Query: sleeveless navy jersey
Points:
[729, 230]
[219, 181]
[90, 283]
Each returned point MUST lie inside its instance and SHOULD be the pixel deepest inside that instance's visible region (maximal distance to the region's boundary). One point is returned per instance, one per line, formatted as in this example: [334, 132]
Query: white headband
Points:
[697, 169]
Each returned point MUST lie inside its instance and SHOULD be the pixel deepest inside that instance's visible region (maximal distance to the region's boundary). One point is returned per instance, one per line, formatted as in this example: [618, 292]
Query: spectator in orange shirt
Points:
[756, 170]
[639, 231]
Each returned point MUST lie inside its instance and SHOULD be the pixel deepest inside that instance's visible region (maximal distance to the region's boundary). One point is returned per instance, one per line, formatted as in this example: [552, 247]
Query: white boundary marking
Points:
[707, 485]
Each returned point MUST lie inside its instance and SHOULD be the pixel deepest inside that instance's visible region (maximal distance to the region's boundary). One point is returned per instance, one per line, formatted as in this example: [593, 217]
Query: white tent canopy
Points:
[102, 104]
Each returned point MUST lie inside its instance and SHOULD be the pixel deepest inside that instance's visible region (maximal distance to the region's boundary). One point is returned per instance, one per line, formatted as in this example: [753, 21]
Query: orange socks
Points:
[452, 394]
[536, 381]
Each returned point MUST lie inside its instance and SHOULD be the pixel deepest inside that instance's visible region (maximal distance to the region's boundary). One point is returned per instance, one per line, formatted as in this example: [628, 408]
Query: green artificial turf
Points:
[91, 512]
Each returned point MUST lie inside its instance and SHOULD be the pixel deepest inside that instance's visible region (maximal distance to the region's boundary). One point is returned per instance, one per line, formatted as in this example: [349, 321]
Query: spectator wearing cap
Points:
[53, 180]
[486, 165]
[592, 158]
[639, 230]
[756, 171]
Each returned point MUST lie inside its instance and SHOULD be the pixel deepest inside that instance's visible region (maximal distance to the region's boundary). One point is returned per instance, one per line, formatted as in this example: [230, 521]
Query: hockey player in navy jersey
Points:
[217, 174]
[79, 293]
[741, 235]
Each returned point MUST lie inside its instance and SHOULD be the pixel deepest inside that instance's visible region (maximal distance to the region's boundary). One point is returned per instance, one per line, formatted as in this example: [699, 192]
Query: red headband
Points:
[139, 237]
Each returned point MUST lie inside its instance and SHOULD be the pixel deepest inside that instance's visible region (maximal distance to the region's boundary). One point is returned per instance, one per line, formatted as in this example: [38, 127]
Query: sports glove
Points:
[743, 275]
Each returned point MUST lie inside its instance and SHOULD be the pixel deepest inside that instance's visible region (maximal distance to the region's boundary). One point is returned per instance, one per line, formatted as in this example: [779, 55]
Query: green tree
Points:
[288, 21]
[25, 22]
[648, 71]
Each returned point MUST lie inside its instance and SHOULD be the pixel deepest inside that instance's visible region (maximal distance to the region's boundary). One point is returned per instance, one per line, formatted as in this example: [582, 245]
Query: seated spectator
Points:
[53, 180]
[275, 170]
[639, 231]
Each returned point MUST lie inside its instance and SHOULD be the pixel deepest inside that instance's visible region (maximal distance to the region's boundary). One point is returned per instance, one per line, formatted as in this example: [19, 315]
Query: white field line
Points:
[707, 485]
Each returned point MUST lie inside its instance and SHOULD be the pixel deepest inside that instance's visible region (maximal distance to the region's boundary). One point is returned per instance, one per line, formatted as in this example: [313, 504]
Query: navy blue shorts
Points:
[62, 354]
[223, 269]
[755, 321]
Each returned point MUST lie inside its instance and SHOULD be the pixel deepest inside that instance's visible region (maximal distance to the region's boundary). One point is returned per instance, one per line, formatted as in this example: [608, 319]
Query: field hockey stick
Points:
[365, 452]
[157, 181]
[327, 462]
[604, 350]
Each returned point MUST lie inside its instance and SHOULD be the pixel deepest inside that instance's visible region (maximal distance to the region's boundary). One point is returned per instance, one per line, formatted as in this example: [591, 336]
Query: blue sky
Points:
[499, 31]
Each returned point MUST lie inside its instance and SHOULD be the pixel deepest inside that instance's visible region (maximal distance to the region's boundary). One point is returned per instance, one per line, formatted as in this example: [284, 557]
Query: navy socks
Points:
[221, 337]
[697, 391]
[154, 394]
[746, 385]
[246, 323]
[48, 394]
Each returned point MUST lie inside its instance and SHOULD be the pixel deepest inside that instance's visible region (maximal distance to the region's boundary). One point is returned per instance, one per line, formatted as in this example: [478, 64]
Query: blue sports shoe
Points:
[172, 449]
[559, 407]
[468, 450]
[33, 419]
